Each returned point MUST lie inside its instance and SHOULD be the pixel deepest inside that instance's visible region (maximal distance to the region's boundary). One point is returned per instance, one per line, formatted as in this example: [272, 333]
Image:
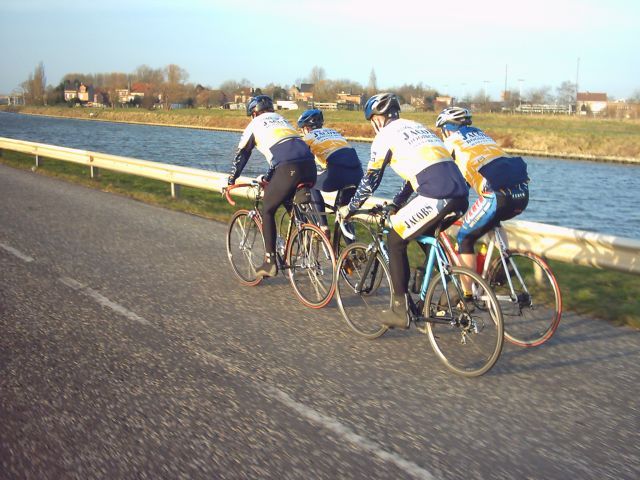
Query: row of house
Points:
[587, 103]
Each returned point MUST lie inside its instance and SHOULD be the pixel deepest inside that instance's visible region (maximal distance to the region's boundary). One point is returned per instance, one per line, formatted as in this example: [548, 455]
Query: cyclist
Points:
[290, 164]
[501, 182]
[338, 160]
[421, 159]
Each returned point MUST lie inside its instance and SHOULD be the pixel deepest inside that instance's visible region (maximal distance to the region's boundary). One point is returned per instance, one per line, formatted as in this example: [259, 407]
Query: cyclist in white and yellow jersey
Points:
[421, 159]
[338, 161]
[290, 163]
[500, 181]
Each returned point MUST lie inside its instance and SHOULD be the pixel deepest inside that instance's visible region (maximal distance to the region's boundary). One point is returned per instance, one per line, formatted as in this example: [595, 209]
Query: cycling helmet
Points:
[454, 116]
[259, 104]
[386, 104]
[311, 118]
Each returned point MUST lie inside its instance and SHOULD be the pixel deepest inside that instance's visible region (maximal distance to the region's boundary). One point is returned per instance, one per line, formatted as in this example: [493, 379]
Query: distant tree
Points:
[146, 74]
[35, 86]
[566, 93]
[276, 92]
[316, 75]
[635, 97]
[173, 89]
[540, 95]
[55, 95]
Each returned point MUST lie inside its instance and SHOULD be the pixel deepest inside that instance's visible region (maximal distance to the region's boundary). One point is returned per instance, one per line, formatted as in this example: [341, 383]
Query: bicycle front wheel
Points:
[245, 246]
[466, 335]
[363, 289]
[533, 307]
[358, 227]
[311, 264]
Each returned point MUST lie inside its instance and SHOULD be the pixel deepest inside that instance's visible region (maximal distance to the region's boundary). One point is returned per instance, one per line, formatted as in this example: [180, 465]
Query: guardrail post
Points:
[94, 171]
[175, 190]
[38, 161]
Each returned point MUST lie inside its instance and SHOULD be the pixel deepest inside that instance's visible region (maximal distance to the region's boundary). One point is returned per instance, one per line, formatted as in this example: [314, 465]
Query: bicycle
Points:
[304, 254]
[354, 227]
[467, 338]
[525, 286]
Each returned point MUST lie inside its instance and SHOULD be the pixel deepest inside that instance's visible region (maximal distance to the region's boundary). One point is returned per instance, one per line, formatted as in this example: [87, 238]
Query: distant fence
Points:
[556, 243]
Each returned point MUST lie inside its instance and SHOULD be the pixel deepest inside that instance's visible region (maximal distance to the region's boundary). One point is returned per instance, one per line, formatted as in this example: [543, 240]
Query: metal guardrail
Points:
[557, 243]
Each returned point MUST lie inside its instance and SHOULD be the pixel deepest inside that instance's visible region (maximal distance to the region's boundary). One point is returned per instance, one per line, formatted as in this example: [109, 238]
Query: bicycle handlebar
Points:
[226, 191]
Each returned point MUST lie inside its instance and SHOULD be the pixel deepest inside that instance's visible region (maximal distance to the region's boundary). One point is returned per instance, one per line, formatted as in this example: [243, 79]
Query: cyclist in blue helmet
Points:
[500, 181]
[420, 158]
[339, 162]
[290, 163]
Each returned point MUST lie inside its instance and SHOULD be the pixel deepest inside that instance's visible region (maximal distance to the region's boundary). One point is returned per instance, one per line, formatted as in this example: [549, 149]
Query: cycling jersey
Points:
[482, 162]
[275, 138]
[418, 156]
[331, 148]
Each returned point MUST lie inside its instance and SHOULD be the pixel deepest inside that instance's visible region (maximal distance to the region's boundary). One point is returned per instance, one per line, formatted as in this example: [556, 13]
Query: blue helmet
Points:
[259, 104]
[386, 104]
[311, 118]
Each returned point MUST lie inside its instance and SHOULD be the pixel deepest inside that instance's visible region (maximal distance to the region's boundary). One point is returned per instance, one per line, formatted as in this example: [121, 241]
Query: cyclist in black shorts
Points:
[290, 163]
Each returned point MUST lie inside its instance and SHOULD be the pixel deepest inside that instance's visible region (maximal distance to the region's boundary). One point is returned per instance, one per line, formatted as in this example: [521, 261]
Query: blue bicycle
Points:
[466, 336]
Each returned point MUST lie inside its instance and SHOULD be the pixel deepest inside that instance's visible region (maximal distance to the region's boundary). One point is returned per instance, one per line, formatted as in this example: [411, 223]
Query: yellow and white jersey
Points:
[413, 148]
[324, 142]
[264, 132]
[473, 149]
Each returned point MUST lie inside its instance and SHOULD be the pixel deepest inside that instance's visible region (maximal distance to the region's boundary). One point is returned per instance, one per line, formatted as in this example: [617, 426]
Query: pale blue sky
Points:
[456, 47]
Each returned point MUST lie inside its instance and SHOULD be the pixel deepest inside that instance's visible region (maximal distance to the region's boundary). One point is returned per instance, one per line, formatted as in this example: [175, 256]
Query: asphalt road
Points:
[128, 350]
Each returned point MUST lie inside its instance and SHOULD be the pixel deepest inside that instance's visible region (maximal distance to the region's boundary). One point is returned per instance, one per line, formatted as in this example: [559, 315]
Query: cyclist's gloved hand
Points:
[231, 180]
[261, 178]
[392, 208]
[344, 212]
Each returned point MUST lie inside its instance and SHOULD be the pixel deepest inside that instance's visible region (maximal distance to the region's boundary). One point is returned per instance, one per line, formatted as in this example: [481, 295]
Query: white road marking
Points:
[16, 253]
[102, 300]
[325, 421]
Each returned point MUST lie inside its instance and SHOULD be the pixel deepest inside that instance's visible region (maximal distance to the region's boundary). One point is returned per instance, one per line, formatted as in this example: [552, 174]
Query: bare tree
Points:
[540, 95]
[566, 93]
[35, 86]
[173, 90]
[635, 97]
[316, 75]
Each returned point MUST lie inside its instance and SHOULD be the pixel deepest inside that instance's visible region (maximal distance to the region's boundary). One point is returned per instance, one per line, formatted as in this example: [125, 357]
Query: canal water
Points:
[599, 197]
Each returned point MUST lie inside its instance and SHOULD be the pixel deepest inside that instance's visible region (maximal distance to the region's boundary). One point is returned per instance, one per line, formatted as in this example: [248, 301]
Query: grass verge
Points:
[604, 294]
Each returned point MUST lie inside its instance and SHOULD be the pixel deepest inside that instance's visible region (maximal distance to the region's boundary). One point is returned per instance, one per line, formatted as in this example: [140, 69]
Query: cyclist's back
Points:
[500, 181]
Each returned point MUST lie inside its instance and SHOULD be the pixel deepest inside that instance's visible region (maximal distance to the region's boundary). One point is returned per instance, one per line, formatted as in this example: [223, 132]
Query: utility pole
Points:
[506, 69]
[577, 77]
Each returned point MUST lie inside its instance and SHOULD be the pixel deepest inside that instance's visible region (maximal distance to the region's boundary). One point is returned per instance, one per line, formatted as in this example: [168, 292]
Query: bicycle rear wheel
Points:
[311, 264]
[469, 340]
[362, 293]
[533, 309]
[245, 246]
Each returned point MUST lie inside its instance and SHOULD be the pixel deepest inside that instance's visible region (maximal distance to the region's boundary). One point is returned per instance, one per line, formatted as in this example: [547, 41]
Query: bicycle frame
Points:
[496, 243]
[436, 257]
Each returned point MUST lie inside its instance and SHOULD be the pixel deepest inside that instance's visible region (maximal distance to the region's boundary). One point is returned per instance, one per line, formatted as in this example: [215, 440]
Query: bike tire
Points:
[245, 247]
[470, 343]
[360, 309]
[311, 266]
[533, 316]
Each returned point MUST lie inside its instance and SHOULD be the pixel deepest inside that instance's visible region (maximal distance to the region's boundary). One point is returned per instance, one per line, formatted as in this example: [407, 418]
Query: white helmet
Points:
[455, 116]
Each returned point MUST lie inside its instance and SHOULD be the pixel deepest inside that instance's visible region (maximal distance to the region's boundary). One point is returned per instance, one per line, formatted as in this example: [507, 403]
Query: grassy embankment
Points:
[560, 135]
[603, 294]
